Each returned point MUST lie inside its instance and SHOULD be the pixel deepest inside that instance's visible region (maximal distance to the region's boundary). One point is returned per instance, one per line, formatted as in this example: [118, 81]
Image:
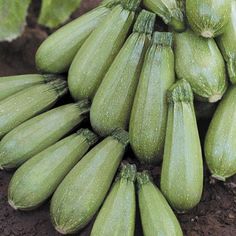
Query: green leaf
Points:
[55, 12]
[12, 18]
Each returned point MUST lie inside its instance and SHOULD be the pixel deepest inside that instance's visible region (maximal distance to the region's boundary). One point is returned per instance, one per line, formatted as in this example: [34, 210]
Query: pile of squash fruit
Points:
[137, 88]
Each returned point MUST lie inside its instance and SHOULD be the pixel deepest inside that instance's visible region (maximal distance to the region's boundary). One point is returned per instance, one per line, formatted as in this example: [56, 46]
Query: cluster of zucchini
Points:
[124, 81]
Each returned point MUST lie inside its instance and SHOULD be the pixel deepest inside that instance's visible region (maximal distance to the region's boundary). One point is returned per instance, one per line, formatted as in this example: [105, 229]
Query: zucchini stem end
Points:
[12, 204]
[215, 98]
[218, 177]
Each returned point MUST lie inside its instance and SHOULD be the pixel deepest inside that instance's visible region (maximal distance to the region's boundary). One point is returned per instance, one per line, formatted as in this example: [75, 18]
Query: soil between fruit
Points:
[214, 216]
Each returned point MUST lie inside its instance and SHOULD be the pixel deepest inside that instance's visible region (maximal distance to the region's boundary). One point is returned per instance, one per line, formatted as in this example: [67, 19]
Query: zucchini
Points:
[83, 190]
[208, 18]
[38, 178]
[28, 103]
[171, 12]
[220, 142]
[57, 52]
[149, 113]
[117, 215]
[99, 50]
[182, 168]
[200, 62]
[40, 132]
[113, 101]
[156, 215]
[13, 84]
[227, 43]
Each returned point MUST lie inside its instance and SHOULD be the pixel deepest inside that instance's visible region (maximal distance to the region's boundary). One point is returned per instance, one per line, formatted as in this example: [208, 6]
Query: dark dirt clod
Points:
[214, 216]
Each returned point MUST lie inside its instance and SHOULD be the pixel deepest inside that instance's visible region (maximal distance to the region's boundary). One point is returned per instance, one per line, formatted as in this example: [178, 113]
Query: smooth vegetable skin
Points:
[220, 142]
[40, 132]
[208, 18]
[227, 43]
[39, 177]
[19, 107]
[182, 168]
[171, 11]
[83, 190]
[13, 84]
[113, 101]
[149, 113]
[157, 217]
[57, 52]
[117, 215]
[200, 62]
[99, 50]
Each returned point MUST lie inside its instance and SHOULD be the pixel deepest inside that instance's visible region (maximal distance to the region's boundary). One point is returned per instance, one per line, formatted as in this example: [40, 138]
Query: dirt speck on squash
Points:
[214, 216]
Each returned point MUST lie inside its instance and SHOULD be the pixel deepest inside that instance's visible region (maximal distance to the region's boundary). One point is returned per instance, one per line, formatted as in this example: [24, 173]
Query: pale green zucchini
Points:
[13, 84]
[208, 18]
[28, 103]
[38, 178]
[99, 50]
[117, 215]
[83, 190]
[182, 168]
[157, 217]
[40, 132]
[171, 11]
[149, 113]
[220, 142]
[113, 101]
[227, 43]
[57, 52]
[200, 62]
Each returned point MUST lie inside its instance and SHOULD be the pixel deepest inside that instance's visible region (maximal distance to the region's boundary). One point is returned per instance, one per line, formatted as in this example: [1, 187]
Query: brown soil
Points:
[214, 216]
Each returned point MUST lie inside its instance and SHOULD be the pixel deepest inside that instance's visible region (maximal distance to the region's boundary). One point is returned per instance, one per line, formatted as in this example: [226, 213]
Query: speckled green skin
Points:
[208, 18]
[149, 112]
[157, 217]
[227, 43]
[169, 11]
[39, 177]
[82, 192]
[38, 133]
[220, 142]
[200, 62]
[13, 84]
[29, 102]
[113, 101]
[97, 53]
[182, 168]
[117, 215]
[57, 52]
